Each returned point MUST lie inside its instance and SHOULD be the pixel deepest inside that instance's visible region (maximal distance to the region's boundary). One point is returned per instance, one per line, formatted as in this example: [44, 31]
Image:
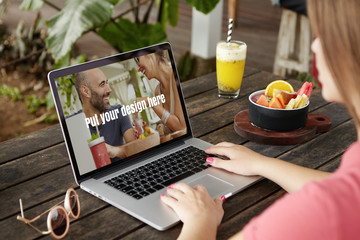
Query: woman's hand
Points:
[200, 214]
[241, 159]
[142, 99]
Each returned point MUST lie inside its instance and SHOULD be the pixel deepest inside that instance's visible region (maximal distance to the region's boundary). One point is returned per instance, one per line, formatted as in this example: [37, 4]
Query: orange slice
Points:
[280, 85]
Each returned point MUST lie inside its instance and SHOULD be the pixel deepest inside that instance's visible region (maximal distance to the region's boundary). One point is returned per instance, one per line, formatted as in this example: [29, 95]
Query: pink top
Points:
[326, 209]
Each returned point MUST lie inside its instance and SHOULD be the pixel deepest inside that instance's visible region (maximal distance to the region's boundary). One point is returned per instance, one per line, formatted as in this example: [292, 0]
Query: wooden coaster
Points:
[316, 123]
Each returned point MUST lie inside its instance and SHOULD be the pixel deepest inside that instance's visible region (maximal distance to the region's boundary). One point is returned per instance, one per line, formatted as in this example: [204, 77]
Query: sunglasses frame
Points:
[66, 210]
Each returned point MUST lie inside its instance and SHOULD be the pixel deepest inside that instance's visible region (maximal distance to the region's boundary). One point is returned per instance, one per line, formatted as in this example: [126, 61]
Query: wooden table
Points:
[36, 167]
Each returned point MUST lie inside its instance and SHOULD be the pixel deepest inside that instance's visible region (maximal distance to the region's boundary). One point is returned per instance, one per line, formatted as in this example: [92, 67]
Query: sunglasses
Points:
[58, 218]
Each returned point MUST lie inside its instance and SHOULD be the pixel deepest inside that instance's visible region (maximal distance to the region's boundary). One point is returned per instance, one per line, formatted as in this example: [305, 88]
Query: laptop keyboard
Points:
[161, 173]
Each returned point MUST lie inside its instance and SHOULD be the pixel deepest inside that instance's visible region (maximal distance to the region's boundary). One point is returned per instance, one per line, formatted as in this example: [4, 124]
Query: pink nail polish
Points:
[223, 198]
[168, 188]
[162, 195]
[172, 185]
[209, 160]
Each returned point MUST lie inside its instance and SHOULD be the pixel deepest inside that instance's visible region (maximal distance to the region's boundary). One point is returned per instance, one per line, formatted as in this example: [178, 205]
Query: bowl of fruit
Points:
[279, 107]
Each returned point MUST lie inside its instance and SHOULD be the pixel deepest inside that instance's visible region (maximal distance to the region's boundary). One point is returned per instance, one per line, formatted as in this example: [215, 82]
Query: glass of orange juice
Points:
[230, 65]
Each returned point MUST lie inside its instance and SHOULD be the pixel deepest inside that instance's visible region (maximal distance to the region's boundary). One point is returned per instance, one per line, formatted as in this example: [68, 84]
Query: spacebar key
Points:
[177, 178]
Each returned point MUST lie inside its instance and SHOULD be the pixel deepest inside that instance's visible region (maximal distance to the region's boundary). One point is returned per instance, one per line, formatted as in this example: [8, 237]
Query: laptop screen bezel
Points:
[53, 75]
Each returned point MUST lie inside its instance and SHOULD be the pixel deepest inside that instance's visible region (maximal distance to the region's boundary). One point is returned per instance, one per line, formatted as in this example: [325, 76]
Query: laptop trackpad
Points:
[214, 185]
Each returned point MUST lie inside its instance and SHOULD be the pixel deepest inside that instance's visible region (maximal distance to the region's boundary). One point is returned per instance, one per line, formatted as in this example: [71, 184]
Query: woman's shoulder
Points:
[350, 159]
[353, 151]
[320, 210]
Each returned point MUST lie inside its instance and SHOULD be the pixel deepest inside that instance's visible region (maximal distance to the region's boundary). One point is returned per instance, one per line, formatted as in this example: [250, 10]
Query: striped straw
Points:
[229, 30]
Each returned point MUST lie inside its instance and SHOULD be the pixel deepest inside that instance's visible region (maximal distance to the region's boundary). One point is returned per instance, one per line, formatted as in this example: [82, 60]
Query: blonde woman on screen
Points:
[155, 66]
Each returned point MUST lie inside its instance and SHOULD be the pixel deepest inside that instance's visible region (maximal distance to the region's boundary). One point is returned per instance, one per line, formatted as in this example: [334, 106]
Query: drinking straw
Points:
[229, 30]
[97, 130]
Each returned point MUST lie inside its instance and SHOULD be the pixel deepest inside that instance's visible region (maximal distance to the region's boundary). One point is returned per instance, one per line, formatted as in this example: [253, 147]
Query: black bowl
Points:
[273, 119]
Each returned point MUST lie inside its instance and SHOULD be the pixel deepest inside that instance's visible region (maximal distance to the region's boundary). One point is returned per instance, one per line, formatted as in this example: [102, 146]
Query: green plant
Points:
[27, 47]
[81, 16]
[306, 77]
[3, 7]
[11, 92]
[66, 83]
[93, 137]
[33, 103]
[187, 67]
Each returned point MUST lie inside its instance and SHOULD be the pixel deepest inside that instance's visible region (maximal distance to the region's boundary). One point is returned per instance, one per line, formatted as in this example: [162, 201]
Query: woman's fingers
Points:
[174, 193]
[225, 144]
[219, 163]
[221, 151]
[171, 202]
[219, 201]
[200, 188]
[185, 188]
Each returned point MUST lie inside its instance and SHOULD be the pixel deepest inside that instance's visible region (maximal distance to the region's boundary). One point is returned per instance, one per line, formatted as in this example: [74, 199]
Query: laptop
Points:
[128, 134]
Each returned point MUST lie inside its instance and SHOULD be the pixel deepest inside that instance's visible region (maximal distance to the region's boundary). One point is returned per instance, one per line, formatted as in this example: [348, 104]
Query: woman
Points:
[155, 66]
[319, 205]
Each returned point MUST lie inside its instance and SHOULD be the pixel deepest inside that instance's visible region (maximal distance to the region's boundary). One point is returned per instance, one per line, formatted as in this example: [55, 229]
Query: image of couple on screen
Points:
[102, 95]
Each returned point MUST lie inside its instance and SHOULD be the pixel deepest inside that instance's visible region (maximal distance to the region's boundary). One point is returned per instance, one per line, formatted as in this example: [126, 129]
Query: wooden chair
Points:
[293, 44]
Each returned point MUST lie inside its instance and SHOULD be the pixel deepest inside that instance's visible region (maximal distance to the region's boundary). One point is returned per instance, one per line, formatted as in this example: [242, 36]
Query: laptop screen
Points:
[115, 109]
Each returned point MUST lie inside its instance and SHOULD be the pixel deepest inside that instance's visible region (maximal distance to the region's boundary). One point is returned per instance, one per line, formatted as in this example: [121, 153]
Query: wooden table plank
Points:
[19, 230]
[39, 189]
[23, 169]
[209, 99]
[207, 82]
[24, 145]
[108, 222]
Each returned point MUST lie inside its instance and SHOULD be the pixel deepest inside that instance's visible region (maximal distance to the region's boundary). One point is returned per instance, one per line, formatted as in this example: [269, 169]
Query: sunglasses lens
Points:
[59, 221]
[74, 204]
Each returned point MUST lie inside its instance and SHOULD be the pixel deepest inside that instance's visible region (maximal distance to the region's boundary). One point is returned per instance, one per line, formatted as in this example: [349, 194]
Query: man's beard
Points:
[97, 101]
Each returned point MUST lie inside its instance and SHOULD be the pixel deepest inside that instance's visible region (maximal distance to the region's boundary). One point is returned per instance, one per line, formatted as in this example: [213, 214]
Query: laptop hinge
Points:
[140, 159]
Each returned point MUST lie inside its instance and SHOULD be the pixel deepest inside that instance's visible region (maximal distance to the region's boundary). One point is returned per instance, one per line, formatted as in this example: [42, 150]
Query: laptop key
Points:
[132, 192]
[177, 178]
[159, 180]
[120, 186]
[137, 196]
[158, 187]
[172, 175]
[144, 194]
[196, 169]
[151, 190]
[153, 183]
[127, 189]
[204, 166]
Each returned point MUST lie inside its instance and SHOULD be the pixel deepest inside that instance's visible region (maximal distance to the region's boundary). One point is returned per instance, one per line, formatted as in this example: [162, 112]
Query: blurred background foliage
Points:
[81, 16]
[51, 44]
